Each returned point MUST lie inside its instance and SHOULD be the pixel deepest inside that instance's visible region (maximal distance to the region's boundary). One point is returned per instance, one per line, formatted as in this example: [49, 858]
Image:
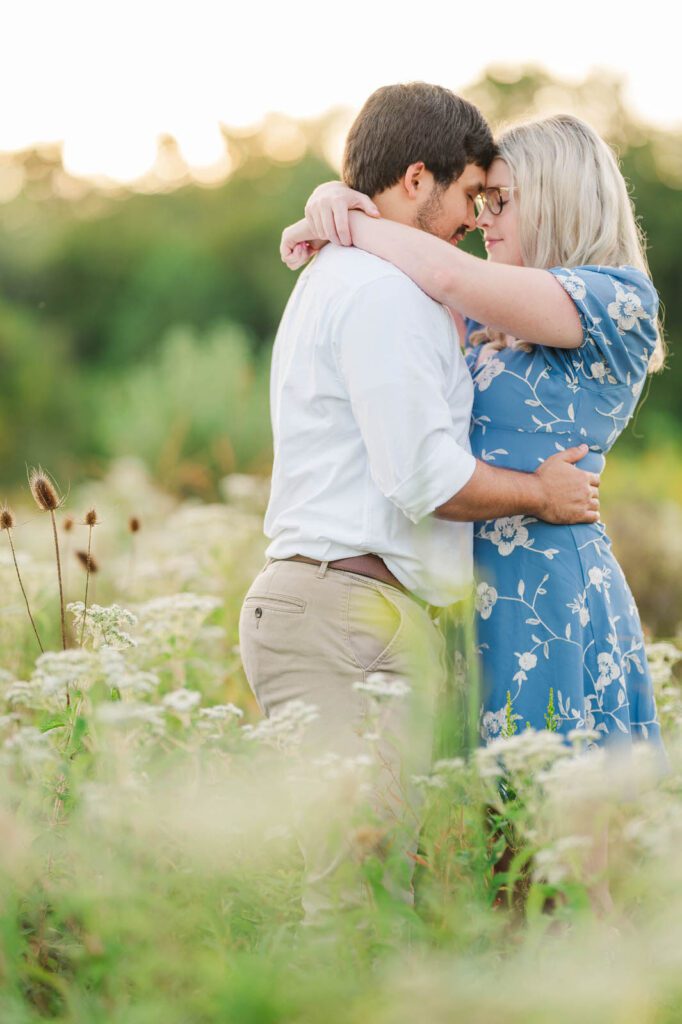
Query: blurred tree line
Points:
[143, 320]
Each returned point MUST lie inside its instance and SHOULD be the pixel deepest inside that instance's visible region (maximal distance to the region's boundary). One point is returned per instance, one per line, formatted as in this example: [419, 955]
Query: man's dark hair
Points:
[400, 125]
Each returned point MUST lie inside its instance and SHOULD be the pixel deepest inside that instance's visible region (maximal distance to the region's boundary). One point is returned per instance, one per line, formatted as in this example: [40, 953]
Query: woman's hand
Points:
[298, 244]
[327, 211]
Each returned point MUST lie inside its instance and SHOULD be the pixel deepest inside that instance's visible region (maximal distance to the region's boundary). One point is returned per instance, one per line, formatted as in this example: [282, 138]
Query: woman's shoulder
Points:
[619, 288]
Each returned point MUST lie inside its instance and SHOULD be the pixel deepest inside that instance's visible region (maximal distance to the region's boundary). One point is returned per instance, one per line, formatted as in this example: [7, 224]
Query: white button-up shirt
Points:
[370, 402]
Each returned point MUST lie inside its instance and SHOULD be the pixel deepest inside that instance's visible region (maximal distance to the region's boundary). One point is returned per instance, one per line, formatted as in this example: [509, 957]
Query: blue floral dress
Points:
[553, 608]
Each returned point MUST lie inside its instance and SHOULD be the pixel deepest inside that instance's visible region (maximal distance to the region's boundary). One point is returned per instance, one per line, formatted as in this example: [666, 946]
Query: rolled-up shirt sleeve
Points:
[388, 344]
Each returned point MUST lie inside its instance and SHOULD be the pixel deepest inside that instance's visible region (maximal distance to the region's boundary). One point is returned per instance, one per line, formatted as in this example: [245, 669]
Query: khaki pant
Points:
[310, 633]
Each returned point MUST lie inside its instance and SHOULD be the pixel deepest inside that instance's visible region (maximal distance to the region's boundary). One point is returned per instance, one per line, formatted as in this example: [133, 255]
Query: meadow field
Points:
[149, 867]
[149, 864]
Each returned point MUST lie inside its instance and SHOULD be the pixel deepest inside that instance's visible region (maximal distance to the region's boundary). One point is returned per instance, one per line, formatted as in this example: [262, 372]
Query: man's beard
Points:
[429, 212]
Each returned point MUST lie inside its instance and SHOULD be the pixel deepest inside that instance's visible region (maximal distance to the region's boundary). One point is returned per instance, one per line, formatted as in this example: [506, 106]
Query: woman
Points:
[557, 623]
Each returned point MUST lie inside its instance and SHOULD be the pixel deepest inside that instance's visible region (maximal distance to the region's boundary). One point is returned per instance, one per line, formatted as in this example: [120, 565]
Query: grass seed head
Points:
[91, 518]
[87, 561]
[43, 491]
[6, 518]
[134, 524]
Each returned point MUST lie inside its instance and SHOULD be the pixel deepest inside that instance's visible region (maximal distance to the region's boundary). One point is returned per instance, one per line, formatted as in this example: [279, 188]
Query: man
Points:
[374, 485]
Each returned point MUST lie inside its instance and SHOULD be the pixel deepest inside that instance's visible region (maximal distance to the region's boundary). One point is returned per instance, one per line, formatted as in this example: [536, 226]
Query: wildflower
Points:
[181, 701]
[44, 491]
[134, 524]
[56, 671]
[561, 860]
[7, 523]
[130, 712]
[221, 712]
[522, 754]
[47, 498]
[175, 617]
[87, 561]
[106, 626]
[379, 687]
[30, 744]
[68, 524]
[285, 727]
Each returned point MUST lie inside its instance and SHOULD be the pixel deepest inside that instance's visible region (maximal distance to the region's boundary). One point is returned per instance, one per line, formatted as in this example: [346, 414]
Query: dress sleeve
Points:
[617, 308]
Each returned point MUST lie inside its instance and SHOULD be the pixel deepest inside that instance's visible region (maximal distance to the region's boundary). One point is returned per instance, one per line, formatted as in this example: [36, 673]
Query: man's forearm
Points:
[493, 492]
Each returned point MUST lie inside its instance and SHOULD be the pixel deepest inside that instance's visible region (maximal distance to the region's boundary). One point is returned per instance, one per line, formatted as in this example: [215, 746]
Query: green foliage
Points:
[93, 287]
[552, 720]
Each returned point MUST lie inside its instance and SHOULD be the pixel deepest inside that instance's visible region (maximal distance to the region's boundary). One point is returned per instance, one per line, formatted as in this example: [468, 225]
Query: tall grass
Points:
[149, 868]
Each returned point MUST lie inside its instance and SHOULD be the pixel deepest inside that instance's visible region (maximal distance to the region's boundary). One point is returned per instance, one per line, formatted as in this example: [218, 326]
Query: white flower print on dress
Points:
[598, 577]
[574, 285]
[493, 723]
[507, 533]
[598, 370]
[626, 310]
[579, 608]
[486, 596]
[491, 369]
[608, 670]
[527, 660]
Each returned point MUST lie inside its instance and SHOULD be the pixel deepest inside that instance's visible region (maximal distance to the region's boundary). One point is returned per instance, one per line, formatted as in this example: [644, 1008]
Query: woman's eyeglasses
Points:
[492, 198]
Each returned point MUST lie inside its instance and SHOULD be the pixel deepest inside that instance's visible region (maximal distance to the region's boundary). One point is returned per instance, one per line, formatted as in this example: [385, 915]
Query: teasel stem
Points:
[6, 523]
[46, 498]
[134, 526]
[91, 520]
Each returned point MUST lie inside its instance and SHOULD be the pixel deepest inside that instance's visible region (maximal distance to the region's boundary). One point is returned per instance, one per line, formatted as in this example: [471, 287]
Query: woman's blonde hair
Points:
[574, 206]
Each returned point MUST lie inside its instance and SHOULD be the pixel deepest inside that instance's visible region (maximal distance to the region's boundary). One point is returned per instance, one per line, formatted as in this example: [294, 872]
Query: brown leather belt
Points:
[363, 565]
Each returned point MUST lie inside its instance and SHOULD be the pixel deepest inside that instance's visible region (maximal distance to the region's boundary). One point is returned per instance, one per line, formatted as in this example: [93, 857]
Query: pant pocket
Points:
[374, 624]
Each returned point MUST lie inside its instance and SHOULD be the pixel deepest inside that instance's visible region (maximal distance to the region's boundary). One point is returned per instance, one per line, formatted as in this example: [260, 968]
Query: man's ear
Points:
[413, 179]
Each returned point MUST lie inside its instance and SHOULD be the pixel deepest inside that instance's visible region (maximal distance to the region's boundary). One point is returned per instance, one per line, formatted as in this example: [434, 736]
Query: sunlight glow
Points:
[110, 79]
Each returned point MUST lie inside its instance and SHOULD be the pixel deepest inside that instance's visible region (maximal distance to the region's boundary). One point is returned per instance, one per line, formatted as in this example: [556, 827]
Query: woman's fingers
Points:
[329, 227]
[340, 213]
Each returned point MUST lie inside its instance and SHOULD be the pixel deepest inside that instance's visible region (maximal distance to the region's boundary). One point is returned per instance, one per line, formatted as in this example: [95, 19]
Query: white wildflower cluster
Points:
[216, 719]
[662, 658]
[19, 694]
[119, 674]
[445, 773]
[221, 712]
[521, 755]
[104, 626]
[378, 686]
[129, 714]
[174, 620]
[562, 860]
[182, 701]
[28, 745]
[58, 671]
[246, 491]
[285, 727]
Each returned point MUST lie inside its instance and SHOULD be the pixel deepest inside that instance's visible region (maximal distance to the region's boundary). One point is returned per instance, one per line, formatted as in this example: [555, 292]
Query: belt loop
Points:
[322, 571]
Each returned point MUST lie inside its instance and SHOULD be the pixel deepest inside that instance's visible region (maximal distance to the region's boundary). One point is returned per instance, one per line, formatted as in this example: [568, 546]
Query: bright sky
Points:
[106, 77]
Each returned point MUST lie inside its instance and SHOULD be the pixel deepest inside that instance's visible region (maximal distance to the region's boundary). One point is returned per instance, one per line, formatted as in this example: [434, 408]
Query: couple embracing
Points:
[437, 415]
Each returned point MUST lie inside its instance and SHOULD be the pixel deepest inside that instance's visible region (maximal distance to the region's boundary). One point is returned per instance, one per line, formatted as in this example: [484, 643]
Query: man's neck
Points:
[393, 207]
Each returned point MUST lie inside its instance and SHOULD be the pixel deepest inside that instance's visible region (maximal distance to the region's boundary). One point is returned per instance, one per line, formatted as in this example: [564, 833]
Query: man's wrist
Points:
[536, 499]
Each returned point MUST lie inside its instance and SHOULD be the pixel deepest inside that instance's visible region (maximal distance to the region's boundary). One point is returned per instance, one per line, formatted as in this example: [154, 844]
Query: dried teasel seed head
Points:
[6, 518]
[68, 524]
[91, 518]
[87, 561]
[43, 490]
[134, 524]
